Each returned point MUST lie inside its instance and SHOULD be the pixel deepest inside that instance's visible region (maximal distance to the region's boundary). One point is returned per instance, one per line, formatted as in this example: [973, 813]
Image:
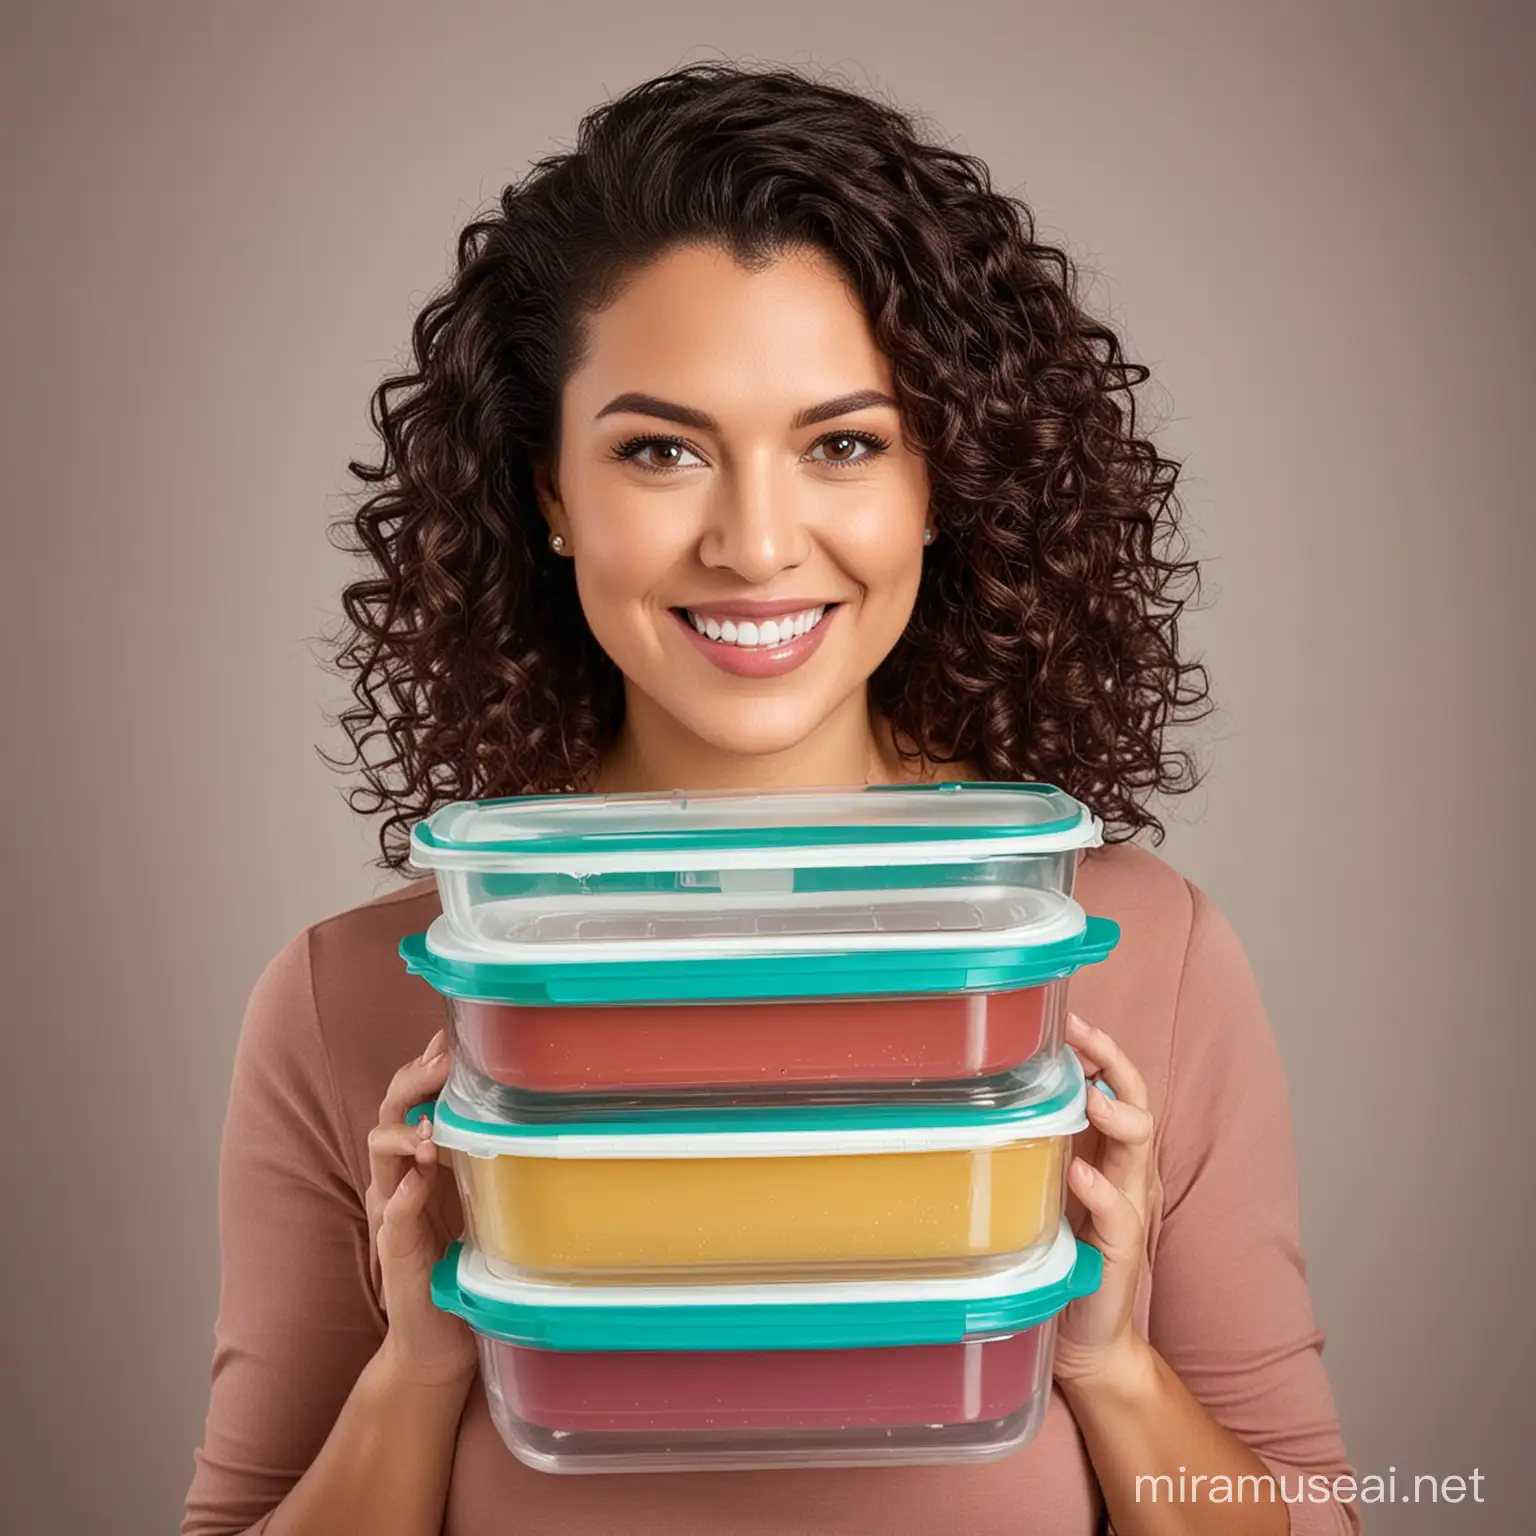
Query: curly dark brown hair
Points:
[1044, 640]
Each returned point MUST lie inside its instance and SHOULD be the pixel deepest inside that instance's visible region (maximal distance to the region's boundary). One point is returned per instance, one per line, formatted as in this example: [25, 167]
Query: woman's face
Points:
[746, 521]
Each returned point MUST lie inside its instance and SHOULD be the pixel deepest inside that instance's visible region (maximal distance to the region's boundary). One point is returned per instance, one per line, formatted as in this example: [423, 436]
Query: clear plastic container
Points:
[566, 1030]
[749, 868]
[747, 1194]
[739, 1377]
[984, 1048]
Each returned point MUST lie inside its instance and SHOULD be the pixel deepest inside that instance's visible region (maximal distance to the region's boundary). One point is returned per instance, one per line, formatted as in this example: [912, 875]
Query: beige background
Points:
[1312, 220]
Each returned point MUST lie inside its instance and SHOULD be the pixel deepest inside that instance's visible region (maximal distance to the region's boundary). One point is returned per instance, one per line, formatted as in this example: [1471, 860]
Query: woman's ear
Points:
[548, 495]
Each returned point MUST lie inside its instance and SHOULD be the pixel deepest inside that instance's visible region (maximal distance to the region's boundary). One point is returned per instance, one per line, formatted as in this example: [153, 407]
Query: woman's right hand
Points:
[413, 1214]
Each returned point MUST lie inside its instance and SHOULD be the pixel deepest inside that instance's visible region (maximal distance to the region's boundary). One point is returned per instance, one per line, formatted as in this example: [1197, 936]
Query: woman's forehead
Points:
[699, 329]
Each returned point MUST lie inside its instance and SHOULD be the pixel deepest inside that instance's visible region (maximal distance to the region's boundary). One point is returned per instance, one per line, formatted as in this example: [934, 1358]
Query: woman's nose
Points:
[757, 523]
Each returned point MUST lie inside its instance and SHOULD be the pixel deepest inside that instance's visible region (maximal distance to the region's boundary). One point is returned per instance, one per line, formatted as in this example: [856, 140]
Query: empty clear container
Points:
[572, 1030]
[750, 870]
[742, 1194]
[750, 1376]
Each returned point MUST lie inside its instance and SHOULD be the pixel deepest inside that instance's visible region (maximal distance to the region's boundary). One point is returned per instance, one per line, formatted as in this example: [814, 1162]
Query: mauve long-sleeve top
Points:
[1223, 1296]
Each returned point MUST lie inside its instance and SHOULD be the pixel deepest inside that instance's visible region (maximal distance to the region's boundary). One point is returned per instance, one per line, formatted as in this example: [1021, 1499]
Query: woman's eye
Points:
[657, 453]
[843, 447]
[660, 454]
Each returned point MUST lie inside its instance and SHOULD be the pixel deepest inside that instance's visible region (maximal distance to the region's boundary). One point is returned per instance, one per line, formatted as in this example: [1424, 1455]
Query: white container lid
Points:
[755, 1316]
[1035, 1273]
[753, 829]
[818, 1131]
[561, 930]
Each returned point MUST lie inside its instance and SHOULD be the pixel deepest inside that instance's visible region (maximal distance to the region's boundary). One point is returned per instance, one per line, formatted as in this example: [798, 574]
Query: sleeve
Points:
[1230, 1309]
[298, 1317]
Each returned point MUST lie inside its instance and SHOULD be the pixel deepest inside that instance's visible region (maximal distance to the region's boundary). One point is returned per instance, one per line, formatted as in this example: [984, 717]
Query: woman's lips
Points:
[759, 660]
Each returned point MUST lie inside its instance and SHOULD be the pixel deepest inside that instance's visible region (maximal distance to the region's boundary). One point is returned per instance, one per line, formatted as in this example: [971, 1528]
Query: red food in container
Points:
[881, 1040]
[909, 952]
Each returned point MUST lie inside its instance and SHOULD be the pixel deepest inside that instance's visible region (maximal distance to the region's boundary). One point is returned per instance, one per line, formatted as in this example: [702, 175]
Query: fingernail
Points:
[1104, 1088]
[1084, 1170]
[423, 1129]
[434, 1048]
[1077, 1023]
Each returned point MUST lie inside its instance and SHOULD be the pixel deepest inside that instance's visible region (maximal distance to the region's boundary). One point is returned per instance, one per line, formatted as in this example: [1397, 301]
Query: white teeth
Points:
[747, 633]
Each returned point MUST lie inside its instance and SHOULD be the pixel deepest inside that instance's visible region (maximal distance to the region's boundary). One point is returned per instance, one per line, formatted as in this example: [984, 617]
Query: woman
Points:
[758, 442]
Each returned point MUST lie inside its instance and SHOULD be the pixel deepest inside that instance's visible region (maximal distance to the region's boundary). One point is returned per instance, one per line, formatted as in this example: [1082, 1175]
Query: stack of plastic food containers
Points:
[760, 1117]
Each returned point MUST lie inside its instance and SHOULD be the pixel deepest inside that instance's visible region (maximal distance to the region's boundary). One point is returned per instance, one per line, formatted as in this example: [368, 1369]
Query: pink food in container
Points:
[860, 1373]
[987, 1378]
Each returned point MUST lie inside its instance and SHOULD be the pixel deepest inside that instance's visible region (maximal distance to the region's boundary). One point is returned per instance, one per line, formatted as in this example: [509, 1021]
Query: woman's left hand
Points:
[1096, 1338]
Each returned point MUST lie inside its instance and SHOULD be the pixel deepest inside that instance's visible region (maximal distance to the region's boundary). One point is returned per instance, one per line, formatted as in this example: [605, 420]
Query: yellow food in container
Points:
[917, 1191]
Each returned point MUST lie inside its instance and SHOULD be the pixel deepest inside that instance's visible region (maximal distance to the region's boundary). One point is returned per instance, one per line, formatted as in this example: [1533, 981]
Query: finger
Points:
[391, 1150]
[397, 1141]
[1099, 1053]
[1116, 1223]
[1125, 1158]
[1126, 1125]
[418, 1079]
[403, 1232]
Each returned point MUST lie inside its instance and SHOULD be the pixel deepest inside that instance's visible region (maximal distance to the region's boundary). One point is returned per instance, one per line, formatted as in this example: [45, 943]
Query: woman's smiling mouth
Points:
[739, 629]
[755, 639]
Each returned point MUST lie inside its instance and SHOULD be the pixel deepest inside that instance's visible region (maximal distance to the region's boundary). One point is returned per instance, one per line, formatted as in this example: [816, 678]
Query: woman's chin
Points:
[754, 730]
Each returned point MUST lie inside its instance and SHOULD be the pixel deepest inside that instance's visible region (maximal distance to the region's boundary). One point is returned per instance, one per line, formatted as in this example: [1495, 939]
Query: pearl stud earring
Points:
[927, 535]
[557, 543]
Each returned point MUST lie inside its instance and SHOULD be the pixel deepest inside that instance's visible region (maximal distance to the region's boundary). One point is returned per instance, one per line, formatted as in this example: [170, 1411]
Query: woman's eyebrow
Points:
[685, 415]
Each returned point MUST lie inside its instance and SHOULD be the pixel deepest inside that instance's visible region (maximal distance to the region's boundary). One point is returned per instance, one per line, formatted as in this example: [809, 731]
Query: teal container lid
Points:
[984, 966]
[805, 1130]
[776, 1316]
[861, 824]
